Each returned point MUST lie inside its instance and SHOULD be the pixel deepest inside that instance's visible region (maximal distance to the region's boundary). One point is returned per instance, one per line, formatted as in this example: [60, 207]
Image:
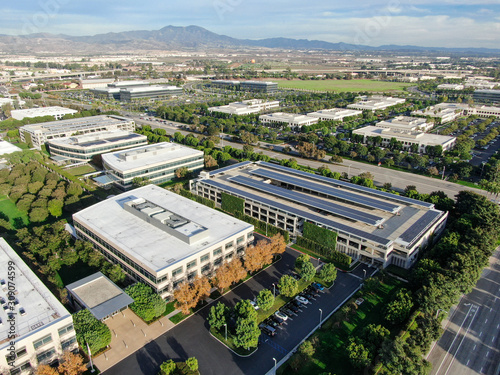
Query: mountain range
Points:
[187, 38]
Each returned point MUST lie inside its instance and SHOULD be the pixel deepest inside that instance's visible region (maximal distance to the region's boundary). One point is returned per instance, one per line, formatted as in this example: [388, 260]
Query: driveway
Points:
[191, 337]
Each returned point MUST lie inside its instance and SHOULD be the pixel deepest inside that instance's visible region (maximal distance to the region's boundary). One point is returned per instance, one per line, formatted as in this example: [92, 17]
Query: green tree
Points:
[91, 331]
[307, 271]
[307, 349]
[288, 286]
[328, 272]
[192, 363]
[168, 367]
[39, 214]
[244, 309]
[217, 315]
[358, 354]
[301, 259]
[55, 207]
[247, 333]
[147, 304]
[265, 299]
[116, 274]
[398, 310]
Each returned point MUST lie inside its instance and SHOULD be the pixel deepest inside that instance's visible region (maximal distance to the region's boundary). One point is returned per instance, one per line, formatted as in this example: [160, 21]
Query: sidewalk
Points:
[128, 334]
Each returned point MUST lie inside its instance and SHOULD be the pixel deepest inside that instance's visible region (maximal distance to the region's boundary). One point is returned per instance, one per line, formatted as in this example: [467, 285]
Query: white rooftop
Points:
[139, 157]
[428, 138]
[288, 117]
[104, 137]
[8, 148]
[150, 88]
[42, 111]
[122, 220]
[40, 306]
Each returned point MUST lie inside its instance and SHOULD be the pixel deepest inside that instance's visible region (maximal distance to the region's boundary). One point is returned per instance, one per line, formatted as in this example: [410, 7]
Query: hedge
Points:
[197, 198]
[320, 235]
[271, 229]
[329, 253]
[232, 204]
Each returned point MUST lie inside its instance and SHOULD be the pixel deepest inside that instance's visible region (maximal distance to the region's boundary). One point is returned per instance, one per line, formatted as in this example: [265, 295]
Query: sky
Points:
[447, 23]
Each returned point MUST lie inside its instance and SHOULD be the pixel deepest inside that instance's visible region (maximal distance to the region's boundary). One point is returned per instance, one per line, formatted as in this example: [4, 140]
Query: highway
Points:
[398, 179]
[470, 343]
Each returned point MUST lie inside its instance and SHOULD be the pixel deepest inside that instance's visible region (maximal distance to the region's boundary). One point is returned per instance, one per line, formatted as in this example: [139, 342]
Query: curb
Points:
[239, 355]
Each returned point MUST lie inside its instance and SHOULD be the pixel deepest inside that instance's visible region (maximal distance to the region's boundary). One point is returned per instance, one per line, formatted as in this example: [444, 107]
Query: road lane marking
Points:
[486, 321]
[468, 362]
[474, 347]
[480, 333]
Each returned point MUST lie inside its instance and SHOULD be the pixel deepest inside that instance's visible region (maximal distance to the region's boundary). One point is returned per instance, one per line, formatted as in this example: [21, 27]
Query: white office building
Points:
[335, 114]
[375, 103]
[161, 238]
[407, 138]
[445, 111]
[246, 107]
[406, 123]
[156, 162]
[35, 327]
[450, 86]
[38, 134]
[56, 112]
[281, 119]
[87, 84]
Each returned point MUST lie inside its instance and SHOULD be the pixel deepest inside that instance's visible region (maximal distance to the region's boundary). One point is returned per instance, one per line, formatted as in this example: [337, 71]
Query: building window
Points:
[205, 258]
[191, 264]
[64, 330]
[24, 367]
[218, 261]
[176, 272]
[205, 268]
[43, 356]
[240, 240]
[192, 275]
[229, 245]
[42, 341]
[229, 255]
[67, 344]
[177, 283]
[217, 251]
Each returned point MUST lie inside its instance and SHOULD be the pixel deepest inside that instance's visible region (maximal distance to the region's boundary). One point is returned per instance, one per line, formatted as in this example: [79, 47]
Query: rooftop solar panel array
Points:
[306, 200]
[306, 215]
[347, 185]
[228, 168]
[330, 191]
[412, 233]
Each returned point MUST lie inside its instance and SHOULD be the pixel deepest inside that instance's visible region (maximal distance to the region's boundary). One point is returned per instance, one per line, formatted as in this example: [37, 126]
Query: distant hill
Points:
[189, 37]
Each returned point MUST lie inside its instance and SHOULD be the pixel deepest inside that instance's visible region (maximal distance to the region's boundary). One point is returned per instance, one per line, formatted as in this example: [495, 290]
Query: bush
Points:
[232, 204]
[91, 331]
[322, 236]
[147, 304]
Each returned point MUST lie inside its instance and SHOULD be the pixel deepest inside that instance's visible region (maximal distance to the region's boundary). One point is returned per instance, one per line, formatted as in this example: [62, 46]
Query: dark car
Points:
[293, 308]
[297, 303]
[287, 312]
[277, 319]
[268, 330]
[271, 323]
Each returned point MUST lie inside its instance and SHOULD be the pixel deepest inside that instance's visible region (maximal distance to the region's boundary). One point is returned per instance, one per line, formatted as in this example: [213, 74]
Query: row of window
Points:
[61, 150]
[160, 167]
[167, 172]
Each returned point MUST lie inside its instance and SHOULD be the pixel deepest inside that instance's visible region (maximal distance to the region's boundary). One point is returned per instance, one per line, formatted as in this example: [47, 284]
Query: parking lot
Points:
[192, 338]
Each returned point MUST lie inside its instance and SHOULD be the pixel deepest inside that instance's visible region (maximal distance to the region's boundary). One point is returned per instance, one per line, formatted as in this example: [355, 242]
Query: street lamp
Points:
[483, 163]
[225, 331]
[364, 274]
[320, 316]
[274, 365]
[274, 290]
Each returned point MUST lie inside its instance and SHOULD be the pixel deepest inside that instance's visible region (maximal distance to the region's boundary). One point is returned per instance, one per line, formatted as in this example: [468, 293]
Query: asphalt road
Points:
[470, 343]
[191, 337]
[398, 179]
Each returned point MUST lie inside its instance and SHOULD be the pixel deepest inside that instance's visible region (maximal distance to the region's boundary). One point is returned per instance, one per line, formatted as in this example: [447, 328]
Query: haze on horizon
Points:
[451, 23]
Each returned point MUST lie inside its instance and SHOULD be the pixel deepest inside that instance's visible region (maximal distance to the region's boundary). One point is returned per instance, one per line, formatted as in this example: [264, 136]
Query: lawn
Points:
[8, 208]
[81, 170]
[344, 85]
[331, 355]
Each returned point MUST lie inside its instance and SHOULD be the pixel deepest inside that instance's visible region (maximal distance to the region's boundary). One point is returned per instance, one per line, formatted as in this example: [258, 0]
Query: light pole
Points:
[319, 261]
[225, 331]
[274, 359]
[274, 290]
[483, 163]
[90, 358]
[364, 274]
[437, 314]
[320, 316]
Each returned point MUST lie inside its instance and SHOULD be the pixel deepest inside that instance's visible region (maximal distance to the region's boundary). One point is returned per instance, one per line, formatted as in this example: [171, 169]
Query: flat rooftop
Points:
[98, 138]
[150, 89]
[99, 295]
[288, 117]
[149, 244]
[367, 213]
[36, 306]
[8, 148]
[428, 138]
[42, 111]
[138, 157]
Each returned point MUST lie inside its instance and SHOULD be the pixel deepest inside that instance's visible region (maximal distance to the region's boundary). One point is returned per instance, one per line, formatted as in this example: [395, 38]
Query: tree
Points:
[147, 304]
[55, 207]
[192, 363]
[371, 284]
[91, 331]
[181, 172]
[328, 272]
[278, 244]
[307, 271]
[210, 162]
[168, 367]
[39, 214]
[188, 295]
[307, 349]
[288, 286]
[254, 258]
[116, 274]
[46, 370]
[217, 315]
[358, 354]
[236, 270]
[265, 299]
[71, 364]
[398, 310]
[247, 333]
[244, 309]
[223, 278]
[301, 259]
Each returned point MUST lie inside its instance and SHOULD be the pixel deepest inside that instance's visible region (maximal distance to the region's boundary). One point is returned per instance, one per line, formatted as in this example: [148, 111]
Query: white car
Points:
[280, 315]
[302, 300]
[254, 304]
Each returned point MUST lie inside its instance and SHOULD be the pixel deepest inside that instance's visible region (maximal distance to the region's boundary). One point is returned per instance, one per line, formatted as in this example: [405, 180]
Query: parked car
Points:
[267, 329]
[302, 300]
[318, 286]
[254, 304]
[271, 322]
[292, 307]
[288, 312]
[277, 319]
[280, 315]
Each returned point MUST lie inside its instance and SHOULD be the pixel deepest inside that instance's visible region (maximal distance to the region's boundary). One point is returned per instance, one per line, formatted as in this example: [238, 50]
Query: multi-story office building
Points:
[450, 86]
[280, 119]
[38, 134]
[155, 91]
[161, 238]
[375, 103]
[156, 162]
[246, 107]
[87, 84]
[35, 328]
[56, 112]
[259, 86]
[84, 147]
[225, 84]
[446, 112]
[112, 89]
[407, 138]
[406, 123]
[335, 114]
[487, 96]
[372, 226]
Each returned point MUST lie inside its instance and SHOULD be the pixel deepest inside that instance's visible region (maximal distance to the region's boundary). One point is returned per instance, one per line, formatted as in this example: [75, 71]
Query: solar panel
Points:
[302, 214]
[228, 168]
[309, 201]
[413, 233]
[330, 191]
[347, 185]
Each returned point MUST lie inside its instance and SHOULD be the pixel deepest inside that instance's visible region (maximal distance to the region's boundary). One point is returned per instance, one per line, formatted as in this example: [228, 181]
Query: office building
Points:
[246, 107]
[41, 326]
[156, 162]
[450, 86]
[112, 89]
[225, 84]
[154, 91]
[480, 84]
[87, 84]
[407, 138]
[280, 119]
[375, 103]
[161, 238]
[372, 226]
[483, 111]
[487, 96]
[56, 112]
[259, 86]
[335, 114]
[7, 148]
[83, 147]
[406, 123]
[38, 134]
[446, 112]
